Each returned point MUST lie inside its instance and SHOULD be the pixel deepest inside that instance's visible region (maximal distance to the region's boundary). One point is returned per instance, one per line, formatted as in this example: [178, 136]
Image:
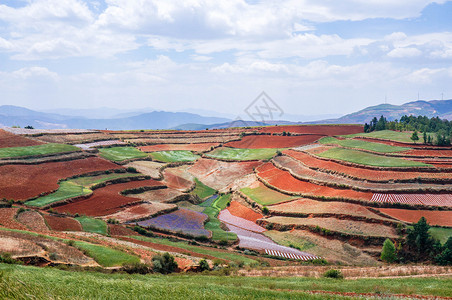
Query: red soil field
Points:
[273, 141]
[22, 182]
[329, 130]
[429, 153]
[284, 181]
[141, 211]
[361, 173]
[7, 218]
[219, 174]
[62, 223]
[239, 210]
[201, 147]
[8, 139]
[33, 220]
[434, 217]
[106, 200]
[119, 230]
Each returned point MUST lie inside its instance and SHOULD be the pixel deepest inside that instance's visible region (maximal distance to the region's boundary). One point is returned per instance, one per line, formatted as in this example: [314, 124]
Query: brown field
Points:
[22, 182]
[219, 174]
[311, 207]
[8, 139]
[106, 200]
[183, 140]
[178, 178]
[119, 230]
[343, 226]
[62, 223]
[434, 217]
[141, 211]
[8, 220]
[73, 138]
[283, 181]
[273, 141]
[241, 211]
[362, 173]
[160, 195]
[33, 220]
[147, 167]
[202, 147]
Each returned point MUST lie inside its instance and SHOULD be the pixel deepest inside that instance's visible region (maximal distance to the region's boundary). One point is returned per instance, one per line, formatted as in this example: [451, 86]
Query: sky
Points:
[311, 57]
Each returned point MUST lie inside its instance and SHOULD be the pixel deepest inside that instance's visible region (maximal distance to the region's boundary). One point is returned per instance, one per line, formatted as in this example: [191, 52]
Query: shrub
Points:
[269, 226]
[265, 210]
[7, 259]
[333, 273]
[70, 243]
[20, 210]
[136, 268]
[204, 265]
[388, 253]
[131, 170]
[164, 264]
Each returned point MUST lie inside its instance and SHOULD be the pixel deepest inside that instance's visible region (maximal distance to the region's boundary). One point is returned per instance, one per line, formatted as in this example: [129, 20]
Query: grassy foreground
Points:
[21, 282]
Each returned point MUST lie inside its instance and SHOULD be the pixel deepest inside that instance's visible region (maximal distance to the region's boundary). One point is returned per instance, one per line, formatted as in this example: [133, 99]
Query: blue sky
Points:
[310, 56]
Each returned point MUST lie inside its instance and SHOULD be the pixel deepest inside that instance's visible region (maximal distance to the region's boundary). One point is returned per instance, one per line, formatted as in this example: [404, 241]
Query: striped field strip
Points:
[290, 255]
[414, 199]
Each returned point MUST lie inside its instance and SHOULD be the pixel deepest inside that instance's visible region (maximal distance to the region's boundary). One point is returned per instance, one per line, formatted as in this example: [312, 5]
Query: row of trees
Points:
[441, 128]
[418, 246]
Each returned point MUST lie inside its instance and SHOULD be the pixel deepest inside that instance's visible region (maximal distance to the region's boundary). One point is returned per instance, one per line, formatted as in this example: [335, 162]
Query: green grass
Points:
[213, 224]
[202, 190]
[363, 158]
[440, 233]
[26, 282]
[285, 238]
[360, 144]
[174, 156]
[93, 225]
[242, 154]
[76, 187]
[266, 196]
[121, 153]
[105, 256]
[36, 150]
[404, 136]
[229, 256]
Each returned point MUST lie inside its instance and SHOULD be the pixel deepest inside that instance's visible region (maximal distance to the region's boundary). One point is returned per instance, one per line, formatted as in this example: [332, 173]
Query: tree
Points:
[419, 240]
[425, 137]
[414, 137]
[204, 265]
[388, 253]
[164, 264]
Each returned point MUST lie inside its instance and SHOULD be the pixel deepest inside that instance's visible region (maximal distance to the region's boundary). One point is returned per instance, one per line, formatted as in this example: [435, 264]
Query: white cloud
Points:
[404, 52]
[35, 72]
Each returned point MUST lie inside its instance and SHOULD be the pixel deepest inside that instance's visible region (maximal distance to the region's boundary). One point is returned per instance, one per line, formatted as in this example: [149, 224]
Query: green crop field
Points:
[76, 187]
[36, 150]
[121, 153]
[26, 282]
[397, 136]
[202, 190]
[360, 144]
[266, 196]
[105, 256]
[174, 156]
[213, 224]
[441, 233]
[242, 154]
[226, 255]
[93, 225]
[363, 158]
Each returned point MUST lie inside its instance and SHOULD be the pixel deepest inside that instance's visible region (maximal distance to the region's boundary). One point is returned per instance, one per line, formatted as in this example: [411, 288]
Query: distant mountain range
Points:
[114, 119]
[434, 108]
[19, 116]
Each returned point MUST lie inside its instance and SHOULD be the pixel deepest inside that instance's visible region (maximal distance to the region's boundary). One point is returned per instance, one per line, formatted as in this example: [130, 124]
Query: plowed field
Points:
[361, 173]
[62, 223]
[22, 182]
[282, 180]
[273, 141]
[219, 174]
[316, 129]
[178, 178]
[33, 220]
[239, 210]
[8, 139]
[106, 200]
[434, 217]
[8, 220]
[161, 195]
[308, 207]
[415, 199]
[447, 153]
[141, 211]
[201, 147]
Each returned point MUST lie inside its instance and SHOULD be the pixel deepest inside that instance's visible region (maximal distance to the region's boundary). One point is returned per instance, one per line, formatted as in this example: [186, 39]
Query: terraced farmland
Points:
[238, 154]
[119, 154]
[174, 156]
[38, 150]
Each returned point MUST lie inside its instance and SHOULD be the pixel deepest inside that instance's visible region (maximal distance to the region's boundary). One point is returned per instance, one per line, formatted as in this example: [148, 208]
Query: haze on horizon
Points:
[311, 57]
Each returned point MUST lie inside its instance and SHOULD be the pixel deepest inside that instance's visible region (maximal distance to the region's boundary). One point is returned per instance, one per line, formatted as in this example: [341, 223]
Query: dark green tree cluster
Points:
[419, 246]
[441, 128]
[164, 264]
